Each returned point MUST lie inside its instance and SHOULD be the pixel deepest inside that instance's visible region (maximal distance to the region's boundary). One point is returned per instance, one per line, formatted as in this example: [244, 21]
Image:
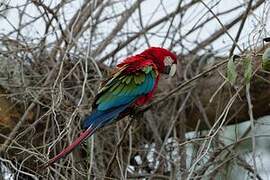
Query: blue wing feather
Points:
[124, 97]
[115, 101]
[100, 118]
[110, 105]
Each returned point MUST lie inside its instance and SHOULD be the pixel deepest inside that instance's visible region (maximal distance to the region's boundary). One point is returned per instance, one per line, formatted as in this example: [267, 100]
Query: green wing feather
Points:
[123, 88]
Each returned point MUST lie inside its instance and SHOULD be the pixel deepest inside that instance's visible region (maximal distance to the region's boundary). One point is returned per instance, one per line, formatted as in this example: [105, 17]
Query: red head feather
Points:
[158, 55]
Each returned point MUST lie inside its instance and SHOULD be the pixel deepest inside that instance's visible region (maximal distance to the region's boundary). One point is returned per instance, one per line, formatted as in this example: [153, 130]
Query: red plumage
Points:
[158, 60]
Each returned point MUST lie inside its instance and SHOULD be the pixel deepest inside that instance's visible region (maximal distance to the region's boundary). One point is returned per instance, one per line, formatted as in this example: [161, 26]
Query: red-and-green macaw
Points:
[133, 84]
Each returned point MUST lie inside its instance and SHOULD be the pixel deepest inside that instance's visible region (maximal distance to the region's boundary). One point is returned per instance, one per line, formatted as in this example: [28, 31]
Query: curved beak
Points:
[172, 70]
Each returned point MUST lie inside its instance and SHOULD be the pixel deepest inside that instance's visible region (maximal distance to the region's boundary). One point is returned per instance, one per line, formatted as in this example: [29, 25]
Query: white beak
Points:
[172, 70]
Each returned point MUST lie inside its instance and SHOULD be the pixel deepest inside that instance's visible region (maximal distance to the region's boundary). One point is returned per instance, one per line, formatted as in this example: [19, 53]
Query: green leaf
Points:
[266, 60]
[231, 70]
[247, 69]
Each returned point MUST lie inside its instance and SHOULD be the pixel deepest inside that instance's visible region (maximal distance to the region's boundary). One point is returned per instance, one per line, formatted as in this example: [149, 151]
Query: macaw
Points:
[132, 85]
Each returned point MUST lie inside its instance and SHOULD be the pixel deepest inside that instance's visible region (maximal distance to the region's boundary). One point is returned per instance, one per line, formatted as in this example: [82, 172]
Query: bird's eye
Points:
[168, 61]
[170, 66]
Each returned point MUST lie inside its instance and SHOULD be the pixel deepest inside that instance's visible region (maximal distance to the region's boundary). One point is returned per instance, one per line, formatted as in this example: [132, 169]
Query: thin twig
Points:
[241, 27]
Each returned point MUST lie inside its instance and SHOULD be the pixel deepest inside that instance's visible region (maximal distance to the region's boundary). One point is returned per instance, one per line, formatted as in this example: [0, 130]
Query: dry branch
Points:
[47, 85]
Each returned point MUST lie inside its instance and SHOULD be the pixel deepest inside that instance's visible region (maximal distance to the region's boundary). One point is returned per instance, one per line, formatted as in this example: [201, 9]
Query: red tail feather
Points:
[72, 146]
